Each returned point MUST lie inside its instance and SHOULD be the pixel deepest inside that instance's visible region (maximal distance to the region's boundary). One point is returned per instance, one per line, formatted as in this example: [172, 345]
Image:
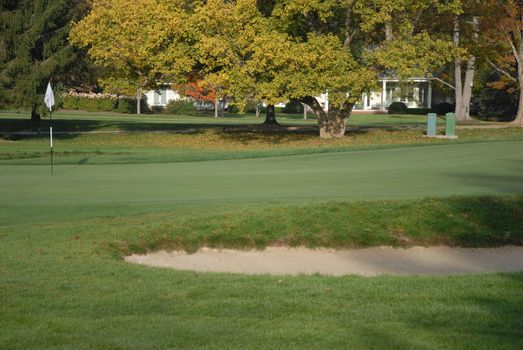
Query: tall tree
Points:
[34, 48]
[369, 37]
[506, 39]
[140, 43]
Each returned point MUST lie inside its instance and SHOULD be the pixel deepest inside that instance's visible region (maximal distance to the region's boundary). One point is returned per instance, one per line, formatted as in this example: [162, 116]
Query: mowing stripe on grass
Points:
[29, 193]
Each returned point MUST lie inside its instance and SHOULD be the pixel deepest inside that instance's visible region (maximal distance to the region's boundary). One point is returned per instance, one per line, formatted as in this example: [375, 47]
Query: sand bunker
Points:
[364, 262]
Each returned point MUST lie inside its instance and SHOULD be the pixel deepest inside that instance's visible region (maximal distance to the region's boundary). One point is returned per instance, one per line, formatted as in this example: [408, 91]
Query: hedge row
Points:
[103, 104]
[401, 108]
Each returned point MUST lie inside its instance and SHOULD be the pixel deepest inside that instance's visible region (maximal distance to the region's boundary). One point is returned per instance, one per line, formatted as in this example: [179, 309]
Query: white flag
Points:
[49, 97]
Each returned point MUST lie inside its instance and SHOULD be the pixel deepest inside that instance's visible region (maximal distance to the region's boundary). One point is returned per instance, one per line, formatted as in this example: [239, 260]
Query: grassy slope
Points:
[61, 286]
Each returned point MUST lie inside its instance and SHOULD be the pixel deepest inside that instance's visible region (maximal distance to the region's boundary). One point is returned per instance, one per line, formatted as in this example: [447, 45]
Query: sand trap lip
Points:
[365, 262]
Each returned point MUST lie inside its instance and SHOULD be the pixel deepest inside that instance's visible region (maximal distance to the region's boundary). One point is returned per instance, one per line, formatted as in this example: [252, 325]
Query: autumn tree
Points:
[240, 53]
[506, 41]
[34, 48]
[348, 43]
[140, 43]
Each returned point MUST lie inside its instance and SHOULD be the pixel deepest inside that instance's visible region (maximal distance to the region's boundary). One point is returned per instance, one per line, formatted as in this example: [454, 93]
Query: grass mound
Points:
[484, 221]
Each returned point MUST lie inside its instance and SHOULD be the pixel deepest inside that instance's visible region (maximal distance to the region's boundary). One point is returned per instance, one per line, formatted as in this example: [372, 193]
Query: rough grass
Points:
[62, 287]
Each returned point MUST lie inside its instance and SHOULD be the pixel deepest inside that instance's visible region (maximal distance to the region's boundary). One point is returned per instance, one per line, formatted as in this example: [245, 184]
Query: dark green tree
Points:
[34, 48]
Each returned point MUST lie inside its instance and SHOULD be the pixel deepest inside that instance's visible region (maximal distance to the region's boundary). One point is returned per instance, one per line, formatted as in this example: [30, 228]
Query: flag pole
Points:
[51, 137]
[49, 102]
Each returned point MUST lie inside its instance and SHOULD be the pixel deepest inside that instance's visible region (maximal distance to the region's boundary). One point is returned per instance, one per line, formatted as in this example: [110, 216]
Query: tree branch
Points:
[444, 82]
[501, 70]
[513, 47]
[348, 35]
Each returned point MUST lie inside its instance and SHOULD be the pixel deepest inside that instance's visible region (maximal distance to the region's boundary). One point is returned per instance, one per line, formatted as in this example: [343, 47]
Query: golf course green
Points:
[120, 189]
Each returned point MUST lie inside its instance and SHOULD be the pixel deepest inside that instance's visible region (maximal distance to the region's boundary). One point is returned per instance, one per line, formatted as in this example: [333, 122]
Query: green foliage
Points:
[106, 104]
[231, 108]
[397, 108]
[34, 49]
[71, 102]
[418, 111]
[126, 105]
[293, 107]
[443, 108]
[496, 104]
[180, 107]
[152, 41]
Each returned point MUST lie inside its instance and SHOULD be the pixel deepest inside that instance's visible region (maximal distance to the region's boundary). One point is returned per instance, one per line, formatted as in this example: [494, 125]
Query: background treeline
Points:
[34, 47]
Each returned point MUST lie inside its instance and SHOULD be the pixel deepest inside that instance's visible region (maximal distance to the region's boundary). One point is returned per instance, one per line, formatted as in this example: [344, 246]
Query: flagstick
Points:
[51, 138]
[49, 102]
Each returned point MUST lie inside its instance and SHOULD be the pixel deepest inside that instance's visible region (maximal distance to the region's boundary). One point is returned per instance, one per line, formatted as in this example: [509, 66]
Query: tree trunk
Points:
[519, 117]
[35, 116]
[258, 110]
[139, 101]
[270, 116]
[388, 32]
[304, 111]
[222, 107]
[216, 107]
[332, 124]
[466, 95]
[458, 83]
[469, 77]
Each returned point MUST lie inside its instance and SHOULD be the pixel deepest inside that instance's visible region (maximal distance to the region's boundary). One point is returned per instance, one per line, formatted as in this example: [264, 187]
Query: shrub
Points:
[89, 104]
[418, 111]
[293, 107]
[232, 108]
[397, 108]
[498, 105]
[126, 105]
[180, 107]
[70, 102]
[158, 109]
[106, 104]
[443, 108]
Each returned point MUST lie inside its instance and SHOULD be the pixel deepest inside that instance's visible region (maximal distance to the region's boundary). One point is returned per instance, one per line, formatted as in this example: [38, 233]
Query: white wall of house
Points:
[415, 93]
[162, 96]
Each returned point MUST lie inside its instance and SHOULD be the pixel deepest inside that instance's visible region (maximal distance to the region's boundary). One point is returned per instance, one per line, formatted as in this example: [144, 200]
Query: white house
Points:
[414, 92]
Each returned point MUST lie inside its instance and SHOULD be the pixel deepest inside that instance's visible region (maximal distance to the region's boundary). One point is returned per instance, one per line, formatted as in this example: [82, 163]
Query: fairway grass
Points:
[64, 283]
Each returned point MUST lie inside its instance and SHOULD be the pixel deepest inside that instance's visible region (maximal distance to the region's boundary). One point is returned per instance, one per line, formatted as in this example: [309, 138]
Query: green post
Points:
[431, 124]
[450, 124]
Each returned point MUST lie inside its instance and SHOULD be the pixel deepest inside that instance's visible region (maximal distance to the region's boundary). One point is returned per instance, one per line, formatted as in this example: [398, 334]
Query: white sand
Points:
[364, 262]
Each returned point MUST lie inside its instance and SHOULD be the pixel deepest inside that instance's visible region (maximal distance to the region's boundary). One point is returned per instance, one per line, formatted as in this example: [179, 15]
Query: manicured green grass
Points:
[63, 284]
[115, 189]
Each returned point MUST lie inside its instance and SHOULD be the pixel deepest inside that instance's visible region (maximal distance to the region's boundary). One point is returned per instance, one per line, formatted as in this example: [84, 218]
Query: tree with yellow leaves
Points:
[140, 43]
